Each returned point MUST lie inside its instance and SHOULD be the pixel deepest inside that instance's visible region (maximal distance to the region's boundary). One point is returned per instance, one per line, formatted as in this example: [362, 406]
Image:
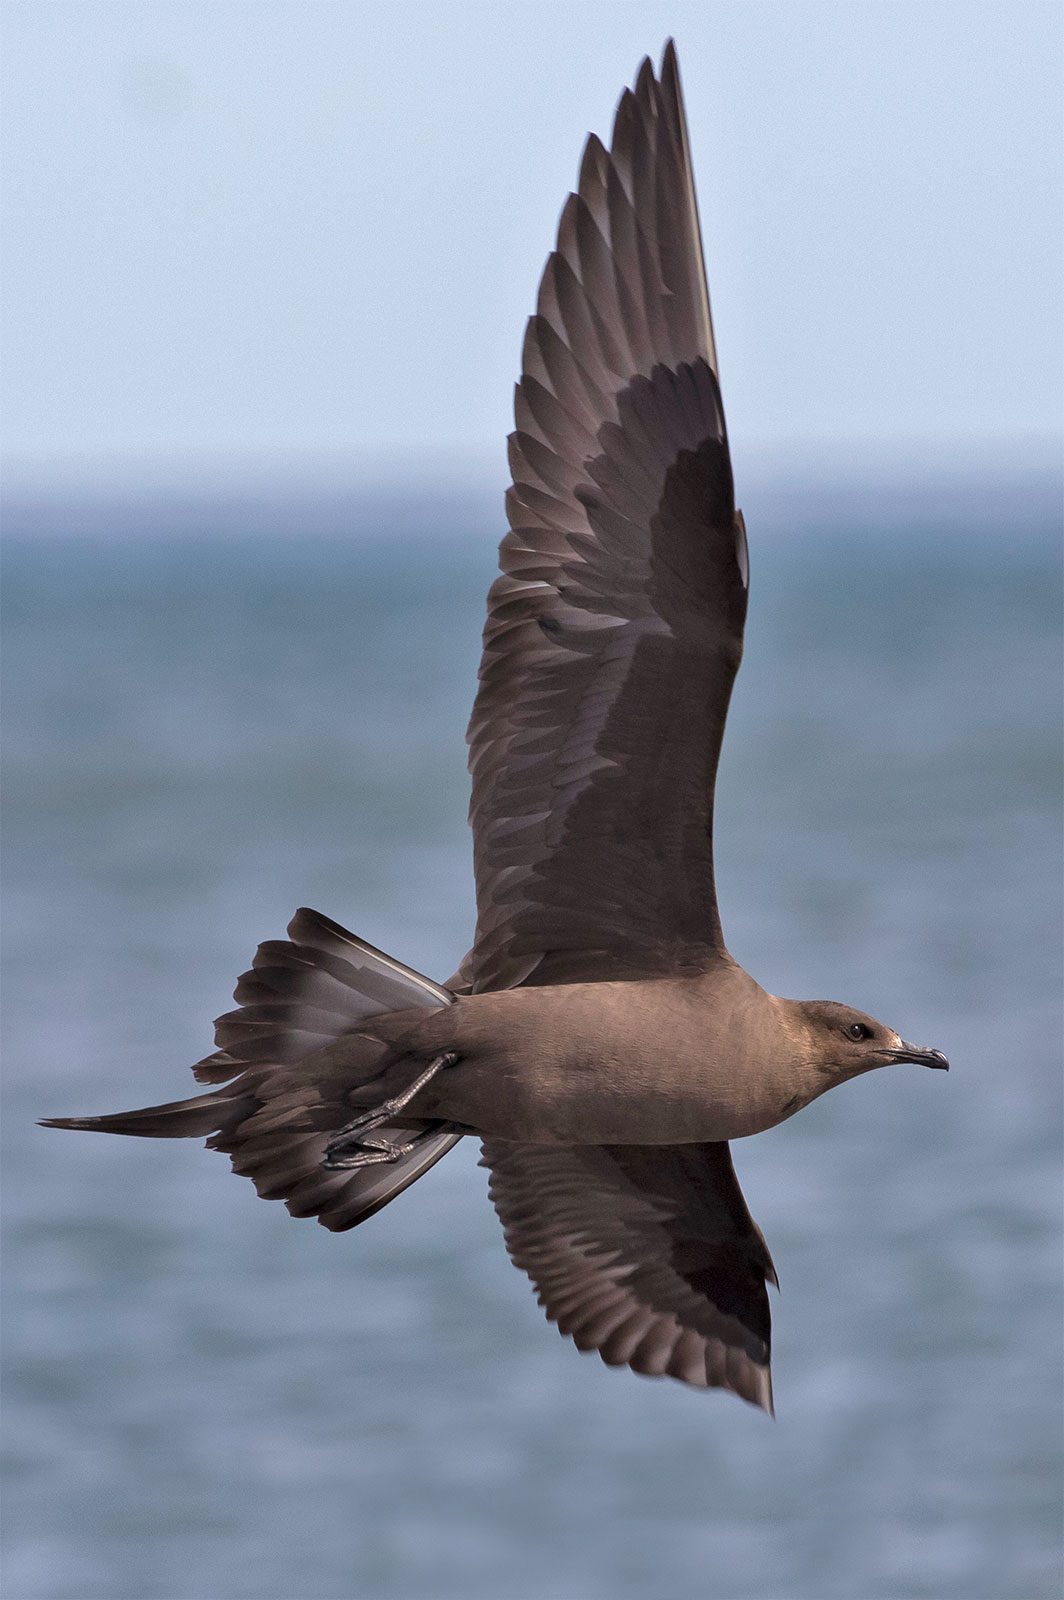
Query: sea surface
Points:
[212, 718]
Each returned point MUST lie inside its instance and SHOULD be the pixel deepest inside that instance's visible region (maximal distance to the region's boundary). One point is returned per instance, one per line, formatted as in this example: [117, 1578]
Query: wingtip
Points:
[760, 1394]
[593, 164]
[645, 80]
[567, 225]
[669, 75]
[622, 121]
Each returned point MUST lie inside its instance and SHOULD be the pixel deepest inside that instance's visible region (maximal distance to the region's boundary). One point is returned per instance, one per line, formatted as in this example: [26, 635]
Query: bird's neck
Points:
[790, 1059]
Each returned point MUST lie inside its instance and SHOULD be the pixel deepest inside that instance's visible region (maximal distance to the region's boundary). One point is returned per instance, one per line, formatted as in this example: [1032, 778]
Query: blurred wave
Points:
[207, 1400]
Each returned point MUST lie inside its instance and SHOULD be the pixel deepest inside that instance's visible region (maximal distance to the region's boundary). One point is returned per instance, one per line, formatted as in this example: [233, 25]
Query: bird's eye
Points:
[857, 1030]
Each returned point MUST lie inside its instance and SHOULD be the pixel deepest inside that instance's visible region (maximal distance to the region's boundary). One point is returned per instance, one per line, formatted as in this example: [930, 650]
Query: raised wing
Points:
[646, 1254]
[615, 631]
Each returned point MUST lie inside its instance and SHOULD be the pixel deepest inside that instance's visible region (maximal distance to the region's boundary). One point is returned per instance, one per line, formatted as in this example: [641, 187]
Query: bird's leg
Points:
[350, 1148]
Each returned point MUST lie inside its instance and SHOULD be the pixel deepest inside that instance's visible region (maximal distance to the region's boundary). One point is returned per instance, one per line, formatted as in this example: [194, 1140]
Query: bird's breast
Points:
[613, 1066]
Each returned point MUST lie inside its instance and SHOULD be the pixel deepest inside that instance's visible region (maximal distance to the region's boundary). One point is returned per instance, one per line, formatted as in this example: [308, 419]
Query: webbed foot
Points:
[352, 1146]
[370, 1150]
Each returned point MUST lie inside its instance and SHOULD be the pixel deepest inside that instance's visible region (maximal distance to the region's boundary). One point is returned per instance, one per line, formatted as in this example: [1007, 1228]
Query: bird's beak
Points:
[919, 1057]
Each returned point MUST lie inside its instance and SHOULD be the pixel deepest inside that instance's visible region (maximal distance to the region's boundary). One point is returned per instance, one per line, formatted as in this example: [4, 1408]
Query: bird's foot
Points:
[369, 1152]
[352, 1147]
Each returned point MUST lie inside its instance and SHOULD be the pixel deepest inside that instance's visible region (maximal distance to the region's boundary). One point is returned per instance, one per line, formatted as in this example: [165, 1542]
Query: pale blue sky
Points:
[303, 230]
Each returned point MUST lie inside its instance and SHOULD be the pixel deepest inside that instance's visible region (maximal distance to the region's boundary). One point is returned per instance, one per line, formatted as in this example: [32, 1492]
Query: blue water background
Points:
[211, 718]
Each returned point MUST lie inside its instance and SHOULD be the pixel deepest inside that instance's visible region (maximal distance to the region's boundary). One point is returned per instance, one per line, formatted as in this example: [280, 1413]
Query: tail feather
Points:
[275, 1119]
[376, 973]
[217, 1068]
[182, 1119]
[301, 995]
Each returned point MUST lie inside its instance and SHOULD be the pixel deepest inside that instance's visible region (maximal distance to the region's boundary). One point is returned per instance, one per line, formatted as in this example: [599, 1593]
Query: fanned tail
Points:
[286, 1099]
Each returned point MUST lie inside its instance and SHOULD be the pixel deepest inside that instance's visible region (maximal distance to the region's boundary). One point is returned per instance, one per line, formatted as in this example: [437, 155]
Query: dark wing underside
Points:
[647, 1255]
[612, 641]
[615, 631]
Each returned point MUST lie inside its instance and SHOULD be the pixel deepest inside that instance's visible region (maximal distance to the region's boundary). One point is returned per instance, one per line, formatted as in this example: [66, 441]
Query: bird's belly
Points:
[604, 1103]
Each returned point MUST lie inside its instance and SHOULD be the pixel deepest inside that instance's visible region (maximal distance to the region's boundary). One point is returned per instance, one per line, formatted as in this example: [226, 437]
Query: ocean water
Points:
[210, 722]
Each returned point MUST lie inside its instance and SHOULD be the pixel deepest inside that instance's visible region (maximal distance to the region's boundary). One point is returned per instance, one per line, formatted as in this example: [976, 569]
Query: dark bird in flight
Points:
[598, 1038]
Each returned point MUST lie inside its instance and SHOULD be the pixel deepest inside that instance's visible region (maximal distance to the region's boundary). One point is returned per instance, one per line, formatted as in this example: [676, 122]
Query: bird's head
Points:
[842, 1042]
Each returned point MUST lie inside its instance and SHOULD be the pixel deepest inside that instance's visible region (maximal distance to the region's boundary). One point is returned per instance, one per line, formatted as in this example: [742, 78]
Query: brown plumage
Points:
[598, 1037]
